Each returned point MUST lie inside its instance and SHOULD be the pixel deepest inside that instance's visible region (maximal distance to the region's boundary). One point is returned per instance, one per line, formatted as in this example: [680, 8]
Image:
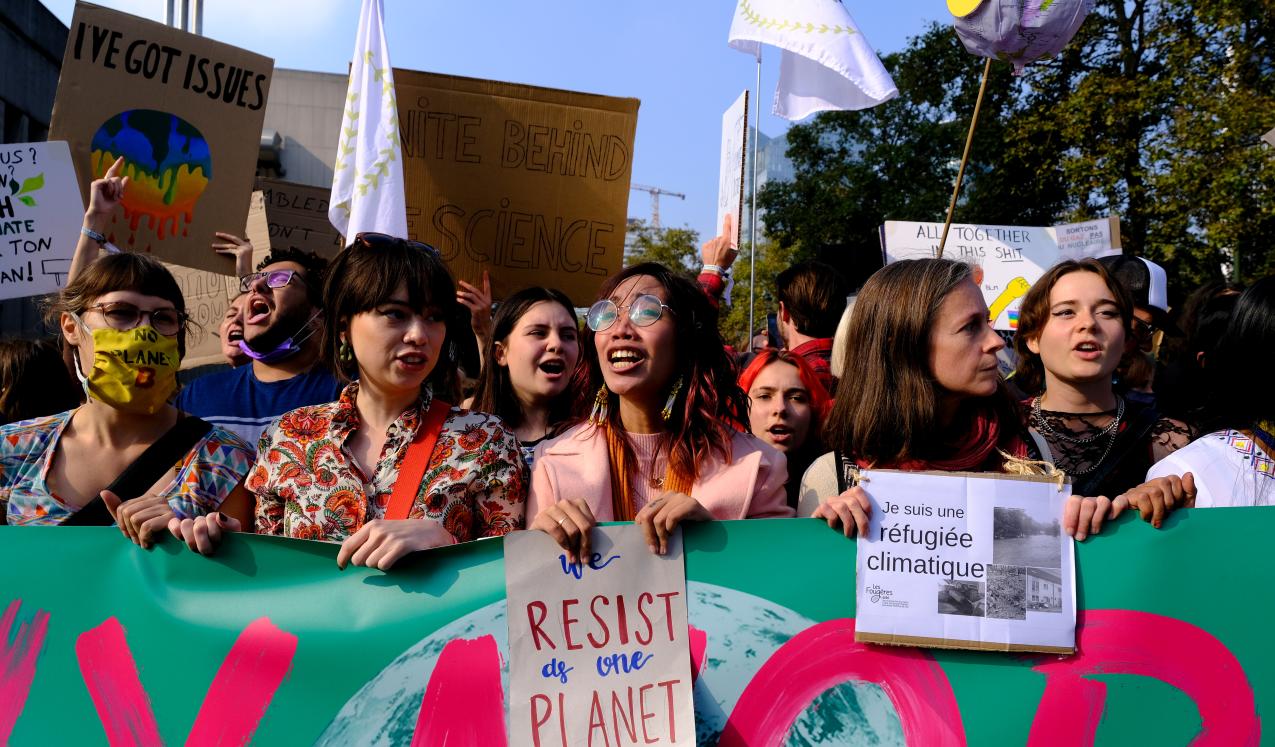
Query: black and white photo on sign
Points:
[961, 598]
[1026, 537]
[1007, 592]
[1044, 590]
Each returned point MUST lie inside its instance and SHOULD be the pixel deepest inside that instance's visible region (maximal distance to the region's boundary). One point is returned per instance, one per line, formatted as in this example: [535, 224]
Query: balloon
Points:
[1019, 32]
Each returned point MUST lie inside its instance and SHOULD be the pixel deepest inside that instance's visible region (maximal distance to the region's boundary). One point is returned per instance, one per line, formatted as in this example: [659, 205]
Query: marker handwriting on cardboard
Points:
[577, 569]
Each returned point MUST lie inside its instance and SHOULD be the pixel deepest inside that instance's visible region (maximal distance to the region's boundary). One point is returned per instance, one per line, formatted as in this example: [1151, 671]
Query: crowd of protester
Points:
[341, 415]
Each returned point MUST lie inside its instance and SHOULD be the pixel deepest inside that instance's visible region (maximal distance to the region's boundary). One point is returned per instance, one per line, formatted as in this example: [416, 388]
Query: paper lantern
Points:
[1019, 32]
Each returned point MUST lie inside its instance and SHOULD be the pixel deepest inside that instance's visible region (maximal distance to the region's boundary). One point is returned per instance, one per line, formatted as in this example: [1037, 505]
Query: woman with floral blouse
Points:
[328, 472]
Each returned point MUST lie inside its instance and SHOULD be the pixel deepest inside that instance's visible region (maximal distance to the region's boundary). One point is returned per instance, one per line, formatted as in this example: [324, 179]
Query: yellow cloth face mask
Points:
[134, 370]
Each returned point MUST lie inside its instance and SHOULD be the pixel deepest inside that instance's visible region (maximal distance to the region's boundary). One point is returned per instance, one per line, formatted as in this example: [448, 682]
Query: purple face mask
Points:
[284, 349]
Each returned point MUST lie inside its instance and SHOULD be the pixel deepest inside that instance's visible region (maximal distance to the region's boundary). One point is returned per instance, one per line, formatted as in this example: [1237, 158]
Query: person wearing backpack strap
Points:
[389, 468]
[126, 455]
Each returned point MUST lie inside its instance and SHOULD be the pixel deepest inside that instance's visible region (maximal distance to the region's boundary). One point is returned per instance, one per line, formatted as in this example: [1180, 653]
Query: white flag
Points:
[367, 184]
[826, 63]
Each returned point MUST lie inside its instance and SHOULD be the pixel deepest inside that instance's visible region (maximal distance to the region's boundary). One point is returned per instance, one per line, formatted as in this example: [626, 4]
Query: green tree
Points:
[732, 322]
[675, 248]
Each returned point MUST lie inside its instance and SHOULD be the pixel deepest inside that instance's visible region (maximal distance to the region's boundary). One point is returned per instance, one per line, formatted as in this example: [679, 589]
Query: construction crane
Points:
[655, 193]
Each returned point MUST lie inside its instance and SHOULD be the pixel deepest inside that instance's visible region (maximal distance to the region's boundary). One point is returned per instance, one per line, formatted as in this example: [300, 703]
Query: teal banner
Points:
[268, 643]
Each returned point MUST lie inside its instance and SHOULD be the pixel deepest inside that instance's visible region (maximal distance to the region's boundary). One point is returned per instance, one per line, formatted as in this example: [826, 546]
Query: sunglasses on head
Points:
[273, 279]
[643, 312]
[373, 240]
[125, 316]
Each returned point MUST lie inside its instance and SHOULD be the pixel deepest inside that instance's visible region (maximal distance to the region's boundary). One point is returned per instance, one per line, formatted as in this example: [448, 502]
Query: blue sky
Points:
[671, 55]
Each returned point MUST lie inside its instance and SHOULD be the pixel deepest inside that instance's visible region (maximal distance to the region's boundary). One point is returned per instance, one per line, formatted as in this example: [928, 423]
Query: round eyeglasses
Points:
[125, 316]
[643, 312]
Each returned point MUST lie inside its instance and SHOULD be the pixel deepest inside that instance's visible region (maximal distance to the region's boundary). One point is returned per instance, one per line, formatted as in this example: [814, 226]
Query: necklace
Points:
[1038, 420]
[1111, 431]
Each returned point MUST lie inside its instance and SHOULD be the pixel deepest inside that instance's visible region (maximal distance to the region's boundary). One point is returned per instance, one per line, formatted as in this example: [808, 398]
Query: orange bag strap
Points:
[412, 470]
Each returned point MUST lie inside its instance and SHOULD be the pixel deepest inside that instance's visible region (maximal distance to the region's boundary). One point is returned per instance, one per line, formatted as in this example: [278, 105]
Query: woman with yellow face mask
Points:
[126, 453]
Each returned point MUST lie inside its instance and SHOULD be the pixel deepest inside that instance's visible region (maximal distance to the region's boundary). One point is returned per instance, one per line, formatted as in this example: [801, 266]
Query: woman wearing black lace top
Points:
[1072, 334]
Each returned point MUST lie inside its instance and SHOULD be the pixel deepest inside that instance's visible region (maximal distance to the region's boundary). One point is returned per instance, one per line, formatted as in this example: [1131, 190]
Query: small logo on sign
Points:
[876, 593]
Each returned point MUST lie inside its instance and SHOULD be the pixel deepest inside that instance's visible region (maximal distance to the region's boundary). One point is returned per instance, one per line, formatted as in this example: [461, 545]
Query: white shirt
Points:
[1229, 468]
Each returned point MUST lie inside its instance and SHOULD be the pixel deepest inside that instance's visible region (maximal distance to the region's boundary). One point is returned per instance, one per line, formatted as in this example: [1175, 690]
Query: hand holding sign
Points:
[569, 523]
[851, 510]
[202, 534]
[141, 518]
[240, 249]
[722, 250]
[478, 301]
[1156, 498]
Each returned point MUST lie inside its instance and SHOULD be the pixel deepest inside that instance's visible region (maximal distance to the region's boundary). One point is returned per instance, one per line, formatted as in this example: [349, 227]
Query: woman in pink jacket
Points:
[661, 445]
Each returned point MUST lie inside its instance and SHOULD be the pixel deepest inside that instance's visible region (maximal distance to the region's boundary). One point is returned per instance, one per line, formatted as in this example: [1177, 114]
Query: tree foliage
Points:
[1152, 113]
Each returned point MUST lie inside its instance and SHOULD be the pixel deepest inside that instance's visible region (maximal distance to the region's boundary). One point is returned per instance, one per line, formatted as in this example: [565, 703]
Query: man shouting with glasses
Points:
[282, 330]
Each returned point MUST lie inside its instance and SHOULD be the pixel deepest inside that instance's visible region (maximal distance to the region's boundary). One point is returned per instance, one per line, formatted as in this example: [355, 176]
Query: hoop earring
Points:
[667, 412]
[598, 415]
[346, 353]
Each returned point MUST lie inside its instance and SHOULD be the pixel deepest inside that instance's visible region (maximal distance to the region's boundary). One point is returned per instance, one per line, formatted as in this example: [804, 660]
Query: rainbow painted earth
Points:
[168, 162]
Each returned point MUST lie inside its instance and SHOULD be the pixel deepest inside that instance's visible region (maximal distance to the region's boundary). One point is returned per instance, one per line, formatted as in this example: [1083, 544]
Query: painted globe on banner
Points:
[743, 632]
[168, 163]
[1019, 32]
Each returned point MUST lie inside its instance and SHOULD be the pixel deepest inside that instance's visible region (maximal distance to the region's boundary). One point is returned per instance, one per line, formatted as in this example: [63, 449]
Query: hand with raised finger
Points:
[380, 543]
[239, 249]
[721, 250]
[105, 194]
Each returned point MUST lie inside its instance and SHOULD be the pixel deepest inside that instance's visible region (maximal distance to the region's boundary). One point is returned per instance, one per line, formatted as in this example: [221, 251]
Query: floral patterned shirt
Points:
[308, 487]
[201, 481]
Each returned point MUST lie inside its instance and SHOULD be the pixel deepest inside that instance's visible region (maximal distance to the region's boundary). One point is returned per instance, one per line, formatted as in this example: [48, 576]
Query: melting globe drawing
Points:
[168, 163]
[743, 631]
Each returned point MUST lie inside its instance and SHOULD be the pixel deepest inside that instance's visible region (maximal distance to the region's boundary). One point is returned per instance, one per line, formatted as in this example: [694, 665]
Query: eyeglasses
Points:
[372, 240]
[274, 279]
[1143, 329]
[643, 312]
[125, 316]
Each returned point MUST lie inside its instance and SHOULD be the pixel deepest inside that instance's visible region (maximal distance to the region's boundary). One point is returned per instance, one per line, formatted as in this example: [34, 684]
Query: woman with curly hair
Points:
[662, 444]
[389, 468]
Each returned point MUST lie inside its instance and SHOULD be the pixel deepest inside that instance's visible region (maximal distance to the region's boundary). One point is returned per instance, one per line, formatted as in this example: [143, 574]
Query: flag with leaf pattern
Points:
[367, 184]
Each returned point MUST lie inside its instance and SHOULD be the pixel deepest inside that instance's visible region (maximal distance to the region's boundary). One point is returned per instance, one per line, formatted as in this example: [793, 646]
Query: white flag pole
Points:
[752, 240]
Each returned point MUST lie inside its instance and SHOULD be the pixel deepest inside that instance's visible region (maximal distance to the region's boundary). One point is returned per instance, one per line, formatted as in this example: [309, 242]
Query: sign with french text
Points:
[185, 114]
[40, 217]
[528, 183]
[966, 560]
[730, 178]
[599, 651]
[1006, 259]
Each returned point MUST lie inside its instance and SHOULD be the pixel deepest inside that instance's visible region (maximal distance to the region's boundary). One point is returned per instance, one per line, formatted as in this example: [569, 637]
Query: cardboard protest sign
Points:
[531, 184]
[599, 651]
[40, 217]
[966, 560]
[1007, 259]
[184, 112]
[730, 178]
[298, 217]
[208, 294]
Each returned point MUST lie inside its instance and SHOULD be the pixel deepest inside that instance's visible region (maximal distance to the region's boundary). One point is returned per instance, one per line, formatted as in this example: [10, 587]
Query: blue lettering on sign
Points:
[556, 669]
[622, 663]
[577, 569]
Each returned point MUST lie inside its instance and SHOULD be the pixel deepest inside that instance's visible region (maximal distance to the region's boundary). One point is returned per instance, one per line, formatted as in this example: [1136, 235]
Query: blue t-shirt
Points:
[237, 401]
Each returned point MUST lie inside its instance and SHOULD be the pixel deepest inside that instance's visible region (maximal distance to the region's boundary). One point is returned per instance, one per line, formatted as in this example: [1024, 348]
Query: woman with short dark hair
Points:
[390, 467]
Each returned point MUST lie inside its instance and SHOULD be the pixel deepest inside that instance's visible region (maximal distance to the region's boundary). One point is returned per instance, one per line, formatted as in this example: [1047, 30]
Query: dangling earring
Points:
[598, 415]
[667, 412]
[346, 353]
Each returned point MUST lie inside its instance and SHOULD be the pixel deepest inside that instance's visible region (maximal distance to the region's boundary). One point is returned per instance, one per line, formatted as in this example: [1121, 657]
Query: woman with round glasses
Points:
[124, 321]
[662, 444]
[391, 467]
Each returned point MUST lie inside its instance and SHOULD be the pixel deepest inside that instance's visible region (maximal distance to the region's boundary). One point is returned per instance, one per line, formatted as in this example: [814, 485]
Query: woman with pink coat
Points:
[661, 444]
